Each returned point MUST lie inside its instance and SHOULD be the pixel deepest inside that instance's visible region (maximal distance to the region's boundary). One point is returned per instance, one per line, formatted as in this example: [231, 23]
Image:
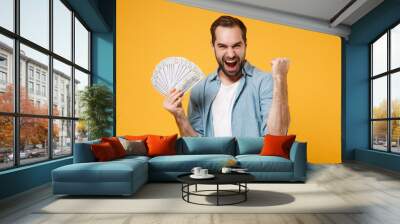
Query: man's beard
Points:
[221, 64]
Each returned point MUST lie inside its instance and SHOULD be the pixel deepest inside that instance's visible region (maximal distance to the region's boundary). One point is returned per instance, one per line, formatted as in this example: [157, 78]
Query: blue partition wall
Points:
[356, 86]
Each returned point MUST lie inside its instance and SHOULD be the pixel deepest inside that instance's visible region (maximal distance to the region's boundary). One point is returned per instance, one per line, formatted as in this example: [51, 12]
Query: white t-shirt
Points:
[221, 109]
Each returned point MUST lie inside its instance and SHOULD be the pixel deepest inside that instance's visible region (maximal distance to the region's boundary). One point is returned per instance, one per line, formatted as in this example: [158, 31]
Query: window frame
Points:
[388, 74]
[16, 115]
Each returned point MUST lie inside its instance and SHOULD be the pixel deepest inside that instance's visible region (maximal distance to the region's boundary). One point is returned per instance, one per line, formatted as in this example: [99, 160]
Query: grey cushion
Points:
[134, 147]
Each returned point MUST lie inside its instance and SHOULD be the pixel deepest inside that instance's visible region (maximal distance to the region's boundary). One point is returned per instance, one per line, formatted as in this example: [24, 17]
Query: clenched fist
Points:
[280, 67]
[173, 102]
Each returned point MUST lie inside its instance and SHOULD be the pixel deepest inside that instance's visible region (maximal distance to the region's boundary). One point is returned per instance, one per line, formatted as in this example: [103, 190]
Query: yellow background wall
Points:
[149, 31]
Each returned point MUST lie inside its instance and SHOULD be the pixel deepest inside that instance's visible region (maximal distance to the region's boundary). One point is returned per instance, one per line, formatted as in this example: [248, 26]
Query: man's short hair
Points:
[228, 21]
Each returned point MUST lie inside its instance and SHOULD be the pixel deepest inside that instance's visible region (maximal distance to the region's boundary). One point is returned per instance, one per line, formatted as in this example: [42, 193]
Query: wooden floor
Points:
[377, 188]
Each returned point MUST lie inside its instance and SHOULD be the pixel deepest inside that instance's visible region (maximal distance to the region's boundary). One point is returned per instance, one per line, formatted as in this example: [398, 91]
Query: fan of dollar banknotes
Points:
[175, 72]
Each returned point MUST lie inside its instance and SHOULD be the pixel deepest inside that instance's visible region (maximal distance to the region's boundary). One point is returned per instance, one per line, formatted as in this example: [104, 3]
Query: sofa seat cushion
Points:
[257, 163]
[111, 171]
[133, 158]
[185, 163]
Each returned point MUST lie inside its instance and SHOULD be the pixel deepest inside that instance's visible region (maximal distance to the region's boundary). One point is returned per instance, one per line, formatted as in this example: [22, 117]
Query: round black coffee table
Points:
[238, 179]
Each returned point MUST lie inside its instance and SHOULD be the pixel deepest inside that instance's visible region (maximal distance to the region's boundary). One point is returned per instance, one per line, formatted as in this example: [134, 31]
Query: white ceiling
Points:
[321, 9]
[324, 16]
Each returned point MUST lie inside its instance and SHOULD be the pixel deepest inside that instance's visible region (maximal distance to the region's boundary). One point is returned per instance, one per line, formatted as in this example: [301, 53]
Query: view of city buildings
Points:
[34, 82]
[44, 118]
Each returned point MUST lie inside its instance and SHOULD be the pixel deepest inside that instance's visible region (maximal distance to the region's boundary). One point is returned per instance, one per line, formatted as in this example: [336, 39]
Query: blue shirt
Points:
[252, 103]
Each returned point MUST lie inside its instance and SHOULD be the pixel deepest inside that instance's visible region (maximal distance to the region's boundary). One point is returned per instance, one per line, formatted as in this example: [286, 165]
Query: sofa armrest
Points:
[298, 155]
[83, 152]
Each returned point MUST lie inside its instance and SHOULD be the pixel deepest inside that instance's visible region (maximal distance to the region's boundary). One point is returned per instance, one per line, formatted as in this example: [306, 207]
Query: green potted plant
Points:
[96, 102]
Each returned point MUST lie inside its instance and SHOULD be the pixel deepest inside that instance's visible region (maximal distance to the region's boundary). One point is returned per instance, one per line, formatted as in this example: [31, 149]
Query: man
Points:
[237, 99]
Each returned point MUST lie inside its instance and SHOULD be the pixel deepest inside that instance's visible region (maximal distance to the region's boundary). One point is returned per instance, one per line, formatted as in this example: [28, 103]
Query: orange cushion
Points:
[277, 145]
[103, 151]
[116, 145]
[132, 137]
[161, 145]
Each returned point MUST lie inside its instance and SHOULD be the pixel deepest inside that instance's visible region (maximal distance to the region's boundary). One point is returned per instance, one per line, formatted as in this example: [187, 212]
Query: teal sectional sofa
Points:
[125, 176]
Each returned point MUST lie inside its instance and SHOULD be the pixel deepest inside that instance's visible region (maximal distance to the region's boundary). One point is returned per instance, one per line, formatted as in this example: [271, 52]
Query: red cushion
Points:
[161, 145]
[116, 145]
[103, 151]
[277, 145]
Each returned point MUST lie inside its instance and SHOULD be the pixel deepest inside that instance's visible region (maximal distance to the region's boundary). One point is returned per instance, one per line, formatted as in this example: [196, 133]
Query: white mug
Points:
[203, 172]
[226, 170]
[196, 170]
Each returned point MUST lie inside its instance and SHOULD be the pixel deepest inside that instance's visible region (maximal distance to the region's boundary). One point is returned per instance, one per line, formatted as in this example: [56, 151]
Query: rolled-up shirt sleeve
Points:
[195, 112]
[266, 94]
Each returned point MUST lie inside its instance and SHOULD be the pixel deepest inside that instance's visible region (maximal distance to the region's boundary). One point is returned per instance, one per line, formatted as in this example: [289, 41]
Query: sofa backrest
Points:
[206, 145]
[83, 152]
[191, 146]
[249, 145]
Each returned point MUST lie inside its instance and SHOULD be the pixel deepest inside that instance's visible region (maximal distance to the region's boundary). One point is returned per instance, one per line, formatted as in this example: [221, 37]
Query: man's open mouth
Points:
[231, 65]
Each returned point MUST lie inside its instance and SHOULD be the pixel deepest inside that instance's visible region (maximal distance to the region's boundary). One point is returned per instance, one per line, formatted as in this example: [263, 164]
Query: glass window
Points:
[7, 14]
[395, 95]
[34, 80]
[81, 131]
[34, 21]
[379, 56]
[43, 90]
[81, 45]
[379, 100]
[81, 81]
[37, 75]
[62, 137]
[40, 62]
[62, 75]
[395, 136]
[385, 88]
[395, 47]
[6, 73]
[3, 71]
[37, 89]
[3, 60]
[30, 72]
[6, 142]
[62, 29]
[379, 135]
[3, 77]
[30, 87]
[33, 140]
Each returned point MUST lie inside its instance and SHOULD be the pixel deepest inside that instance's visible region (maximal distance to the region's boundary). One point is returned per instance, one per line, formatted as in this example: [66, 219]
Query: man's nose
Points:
[230, 53]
